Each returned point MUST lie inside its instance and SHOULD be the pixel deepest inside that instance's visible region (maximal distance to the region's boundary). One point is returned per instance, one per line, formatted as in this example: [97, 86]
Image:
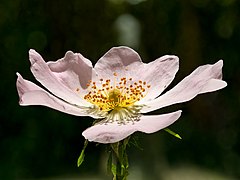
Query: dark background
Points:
[38, 142]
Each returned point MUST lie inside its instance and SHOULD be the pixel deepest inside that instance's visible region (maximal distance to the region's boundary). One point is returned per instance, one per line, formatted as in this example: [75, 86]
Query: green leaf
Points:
[173, 133]
[82, 155]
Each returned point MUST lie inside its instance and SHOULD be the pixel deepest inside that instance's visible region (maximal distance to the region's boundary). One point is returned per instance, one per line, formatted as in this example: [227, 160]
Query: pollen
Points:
[121, 92]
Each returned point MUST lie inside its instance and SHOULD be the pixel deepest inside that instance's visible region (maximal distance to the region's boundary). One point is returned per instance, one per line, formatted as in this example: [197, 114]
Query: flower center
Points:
[122, 93]
[114, 100]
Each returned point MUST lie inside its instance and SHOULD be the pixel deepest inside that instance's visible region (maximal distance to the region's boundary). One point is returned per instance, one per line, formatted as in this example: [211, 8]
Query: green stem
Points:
[120, 165]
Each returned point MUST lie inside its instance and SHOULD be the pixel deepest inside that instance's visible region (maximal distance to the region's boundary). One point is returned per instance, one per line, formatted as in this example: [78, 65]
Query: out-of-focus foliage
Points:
[39, 142]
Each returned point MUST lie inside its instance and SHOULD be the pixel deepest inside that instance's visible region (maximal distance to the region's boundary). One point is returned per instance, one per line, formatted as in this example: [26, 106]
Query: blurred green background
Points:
[40, 143]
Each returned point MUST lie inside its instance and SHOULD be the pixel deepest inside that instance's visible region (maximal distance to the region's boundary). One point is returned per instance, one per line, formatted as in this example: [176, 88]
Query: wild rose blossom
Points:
[117, 91]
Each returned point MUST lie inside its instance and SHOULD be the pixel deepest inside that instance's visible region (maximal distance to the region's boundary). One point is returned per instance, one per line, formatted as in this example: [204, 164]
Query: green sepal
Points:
[135, 143]
[82, 155]
[119, 165]
[173, 133]
[114, 170]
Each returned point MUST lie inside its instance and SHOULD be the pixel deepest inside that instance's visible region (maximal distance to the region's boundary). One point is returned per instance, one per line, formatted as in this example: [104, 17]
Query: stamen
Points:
[116, 99]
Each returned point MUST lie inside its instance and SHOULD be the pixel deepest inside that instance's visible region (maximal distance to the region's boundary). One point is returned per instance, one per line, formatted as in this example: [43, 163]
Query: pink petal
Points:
[204, 79]
[74, 71]
[159, 74]
[213, 85]
[53, 83]
[114, 132]
[120, 60]
[154, 123]
[125, 62]
[31, 94]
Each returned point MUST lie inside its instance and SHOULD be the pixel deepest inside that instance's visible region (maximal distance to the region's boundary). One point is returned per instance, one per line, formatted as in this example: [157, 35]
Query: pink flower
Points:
[117, 91]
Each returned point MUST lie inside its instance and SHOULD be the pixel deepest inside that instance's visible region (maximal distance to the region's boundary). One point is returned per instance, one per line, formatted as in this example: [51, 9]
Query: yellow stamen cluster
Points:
[121, 93]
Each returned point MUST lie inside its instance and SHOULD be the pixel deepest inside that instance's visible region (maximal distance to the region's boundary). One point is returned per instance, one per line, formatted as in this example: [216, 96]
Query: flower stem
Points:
[120, 165]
